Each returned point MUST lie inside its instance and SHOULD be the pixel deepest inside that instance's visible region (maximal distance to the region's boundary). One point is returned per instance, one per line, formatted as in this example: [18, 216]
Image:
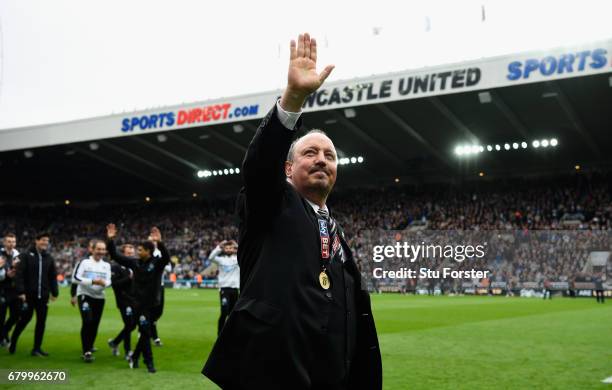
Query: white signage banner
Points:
[484, 74]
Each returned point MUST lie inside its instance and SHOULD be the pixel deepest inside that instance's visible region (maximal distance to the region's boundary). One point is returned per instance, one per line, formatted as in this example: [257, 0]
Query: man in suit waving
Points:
[303, 320]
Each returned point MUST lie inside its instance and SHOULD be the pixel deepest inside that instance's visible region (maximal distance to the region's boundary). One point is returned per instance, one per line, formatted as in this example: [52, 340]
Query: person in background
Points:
[599, 290]
[546, 290]
[158, 309]
[36, 283]
[8, 292]
[146, 270]
[73, 285]
[92, 275]
[224, 255]
[122, 282]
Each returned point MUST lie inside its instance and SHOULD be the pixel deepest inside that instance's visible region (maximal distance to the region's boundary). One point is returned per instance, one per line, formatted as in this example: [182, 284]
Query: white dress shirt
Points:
[287, 118]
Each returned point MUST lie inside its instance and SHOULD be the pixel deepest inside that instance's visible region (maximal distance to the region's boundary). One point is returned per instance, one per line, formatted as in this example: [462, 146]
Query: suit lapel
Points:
[309, 211]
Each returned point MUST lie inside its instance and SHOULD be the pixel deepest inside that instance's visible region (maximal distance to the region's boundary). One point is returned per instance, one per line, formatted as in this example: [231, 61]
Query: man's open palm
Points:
[111, 230]
[303, 77]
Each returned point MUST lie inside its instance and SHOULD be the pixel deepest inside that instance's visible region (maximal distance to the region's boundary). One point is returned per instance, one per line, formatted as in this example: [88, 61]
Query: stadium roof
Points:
[413, 138]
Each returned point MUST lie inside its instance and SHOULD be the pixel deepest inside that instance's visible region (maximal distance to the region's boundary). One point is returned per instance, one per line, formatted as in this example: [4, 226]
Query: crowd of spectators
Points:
[581, 202]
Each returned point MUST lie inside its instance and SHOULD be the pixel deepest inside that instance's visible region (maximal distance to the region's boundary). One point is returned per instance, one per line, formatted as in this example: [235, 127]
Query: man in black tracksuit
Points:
[599, 290]
[35, 280]
[158, 309]
[122, 282]
[146, 270]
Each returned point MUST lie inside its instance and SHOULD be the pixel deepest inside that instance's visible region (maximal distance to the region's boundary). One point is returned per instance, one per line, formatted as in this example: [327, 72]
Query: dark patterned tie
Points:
[323, 213]
[333, 229]
[332, 223]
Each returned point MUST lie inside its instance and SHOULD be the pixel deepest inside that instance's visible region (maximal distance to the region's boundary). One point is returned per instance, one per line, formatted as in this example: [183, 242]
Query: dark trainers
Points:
[39, 352]
[133, 363]
[88, 357]
[12, 347]
[151, 368]
[113, 347]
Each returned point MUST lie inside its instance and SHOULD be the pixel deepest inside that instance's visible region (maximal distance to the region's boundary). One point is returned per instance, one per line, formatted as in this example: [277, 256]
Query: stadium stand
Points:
[580, 202]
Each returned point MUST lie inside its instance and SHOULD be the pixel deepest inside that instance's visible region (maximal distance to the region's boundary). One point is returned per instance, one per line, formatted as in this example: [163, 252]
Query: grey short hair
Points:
[292, 147]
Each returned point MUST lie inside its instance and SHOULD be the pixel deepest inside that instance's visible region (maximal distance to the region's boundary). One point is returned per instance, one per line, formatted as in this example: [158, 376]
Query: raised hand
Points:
[111, 230]
[155, 234]
[303, 78]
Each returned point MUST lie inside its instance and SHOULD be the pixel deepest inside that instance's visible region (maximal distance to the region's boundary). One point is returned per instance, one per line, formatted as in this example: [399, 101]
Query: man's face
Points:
[128, 250]
[314, 164]
[9, 243]
[42, 244]
[143, 253]
[230, 249]
[99, 250]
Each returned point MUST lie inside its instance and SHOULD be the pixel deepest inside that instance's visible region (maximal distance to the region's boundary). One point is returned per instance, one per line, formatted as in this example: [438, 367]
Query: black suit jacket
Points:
[282, 313]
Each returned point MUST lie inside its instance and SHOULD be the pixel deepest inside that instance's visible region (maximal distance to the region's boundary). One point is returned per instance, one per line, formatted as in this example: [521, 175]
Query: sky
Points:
[63, 60]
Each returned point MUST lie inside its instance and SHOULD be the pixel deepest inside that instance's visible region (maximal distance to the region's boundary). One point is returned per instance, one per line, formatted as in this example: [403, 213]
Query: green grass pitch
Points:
[426, 343]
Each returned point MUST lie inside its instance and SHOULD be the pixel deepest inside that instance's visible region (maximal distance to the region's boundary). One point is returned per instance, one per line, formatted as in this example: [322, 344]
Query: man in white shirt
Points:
[73, 284]
[8, 295]
[224, 255]
[93, 275]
